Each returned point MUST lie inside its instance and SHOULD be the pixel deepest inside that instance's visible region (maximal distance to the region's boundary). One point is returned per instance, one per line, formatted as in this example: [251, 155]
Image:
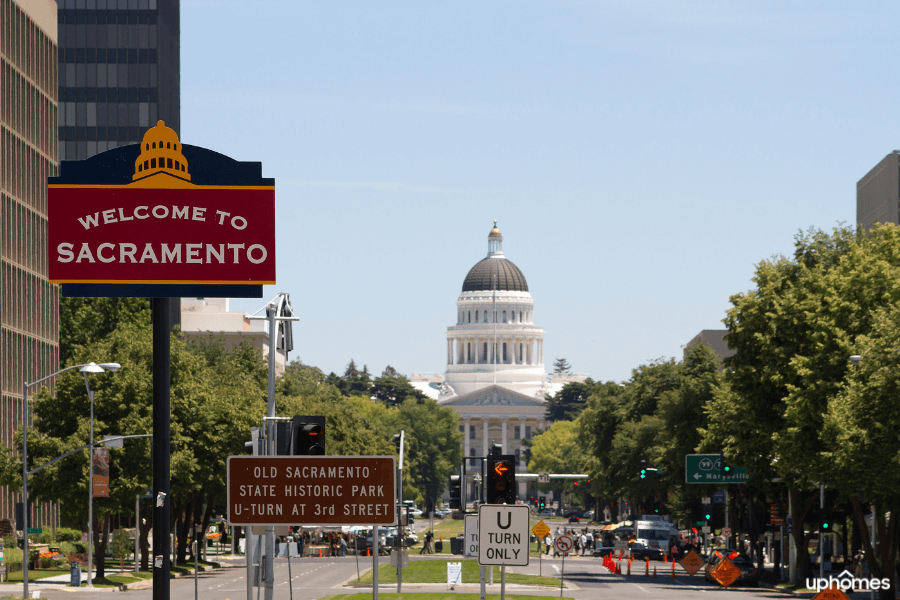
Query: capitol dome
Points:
[495, 340]
[495, 272]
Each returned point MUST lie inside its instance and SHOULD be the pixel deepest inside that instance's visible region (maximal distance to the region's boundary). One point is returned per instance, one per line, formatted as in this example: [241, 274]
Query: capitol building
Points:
[495, 376]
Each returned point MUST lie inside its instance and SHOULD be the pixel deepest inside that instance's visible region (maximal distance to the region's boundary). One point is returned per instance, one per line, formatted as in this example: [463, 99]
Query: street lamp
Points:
[85, 369]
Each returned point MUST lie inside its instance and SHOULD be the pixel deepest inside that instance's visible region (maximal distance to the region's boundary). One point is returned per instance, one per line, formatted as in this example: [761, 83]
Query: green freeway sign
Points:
[35, 530]
[704, 468]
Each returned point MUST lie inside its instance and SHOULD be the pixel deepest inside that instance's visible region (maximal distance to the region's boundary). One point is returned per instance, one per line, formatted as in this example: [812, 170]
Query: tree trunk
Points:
[182, 530]
[145, 536]
[801, 507]
[100, 543]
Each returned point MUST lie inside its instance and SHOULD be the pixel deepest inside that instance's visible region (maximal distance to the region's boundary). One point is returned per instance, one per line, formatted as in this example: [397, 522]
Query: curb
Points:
[144, 583]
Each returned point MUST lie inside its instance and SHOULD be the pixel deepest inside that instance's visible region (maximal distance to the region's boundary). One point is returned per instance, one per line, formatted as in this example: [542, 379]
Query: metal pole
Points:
[137, 532]
[503, 582]
[821, 533]
[162, 327]
[196, 552]
[562, 572]
[270, 448]
[290, 577]
[25, 487]
[90, 565]
[399, 542]
[375, 562]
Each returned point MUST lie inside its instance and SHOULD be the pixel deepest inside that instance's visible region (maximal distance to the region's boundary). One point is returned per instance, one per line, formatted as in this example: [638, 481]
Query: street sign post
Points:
[311, 490]
[503, 534]
[705, 468]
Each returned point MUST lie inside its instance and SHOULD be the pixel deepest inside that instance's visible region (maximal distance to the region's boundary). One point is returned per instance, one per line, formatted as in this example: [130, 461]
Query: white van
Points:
[652, 535]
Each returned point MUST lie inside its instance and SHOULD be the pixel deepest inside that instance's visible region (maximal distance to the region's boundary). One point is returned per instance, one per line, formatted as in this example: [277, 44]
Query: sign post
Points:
[563, 544]
[161, 220]
[503, 538]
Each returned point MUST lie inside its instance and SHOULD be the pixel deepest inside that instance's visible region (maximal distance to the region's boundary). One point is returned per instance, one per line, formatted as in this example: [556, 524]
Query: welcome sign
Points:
[160, 219]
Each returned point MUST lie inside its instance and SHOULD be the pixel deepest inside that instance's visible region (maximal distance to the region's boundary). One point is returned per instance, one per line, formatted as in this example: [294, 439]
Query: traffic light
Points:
[309, 435]
[825, 520]
[501, 479]
[455, 492]
[542, 502]
[724, 468]
[397, 439]
[643, 468]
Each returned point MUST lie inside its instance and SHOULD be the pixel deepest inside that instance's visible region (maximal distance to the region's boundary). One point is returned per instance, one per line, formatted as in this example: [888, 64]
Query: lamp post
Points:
[85, 369]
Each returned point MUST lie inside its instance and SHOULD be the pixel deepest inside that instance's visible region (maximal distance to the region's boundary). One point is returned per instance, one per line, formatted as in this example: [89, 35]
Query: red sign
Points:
[311, 490]
[121, 234]
[161, 213]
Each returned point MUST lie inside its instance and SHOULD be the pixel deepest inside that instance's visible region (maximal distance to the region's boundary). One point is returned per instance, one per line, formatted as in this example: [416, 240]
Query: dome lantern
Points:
[495, 242]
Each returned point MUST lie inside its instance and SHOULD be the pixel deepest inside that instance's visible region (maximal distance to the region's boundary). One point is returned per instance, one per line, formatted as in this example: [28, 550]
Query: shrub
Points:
[12, 554]
[67, 548]
[120, 546]
[80, 547]
[66, 534]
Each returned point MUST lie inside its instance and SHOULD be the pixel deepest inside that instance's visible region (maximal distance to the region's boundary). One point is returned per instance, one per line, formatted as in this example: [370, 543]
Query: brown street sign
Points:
[311, 490]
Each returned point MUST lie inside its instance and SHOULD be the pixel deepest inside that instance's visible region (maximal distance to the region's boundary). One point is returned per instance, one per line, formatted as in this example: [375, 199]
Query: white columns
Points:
[466, 436]
[503, 439]
[484, 436]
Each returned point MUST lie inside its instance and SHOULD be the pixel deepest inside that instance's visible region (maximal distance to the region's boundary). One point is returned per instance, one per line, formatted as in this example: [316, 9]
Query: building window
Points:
[462, 428]
[518, 458]
[504, 316]
[504, 351]
[476, 320]
[528, 432]
[472, 434]
[516, 433]
[520, 316]
[484, 356]
[470, 320]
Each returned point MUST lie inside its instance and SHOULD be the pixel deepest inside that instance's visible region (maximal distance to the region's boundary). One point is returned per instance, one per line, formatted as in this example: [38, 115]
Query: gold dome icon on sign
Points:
[161, 153]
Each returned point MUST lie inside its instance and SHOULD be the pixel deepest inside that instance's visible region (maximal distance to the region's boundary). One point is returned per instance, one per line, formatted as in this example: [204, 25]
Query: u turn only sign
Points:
[503, 534]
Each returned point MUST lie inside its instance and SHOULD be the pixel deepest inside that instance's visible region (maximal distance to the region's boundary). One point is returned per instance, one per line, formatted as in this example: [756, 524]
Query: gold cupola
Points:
[161, 153]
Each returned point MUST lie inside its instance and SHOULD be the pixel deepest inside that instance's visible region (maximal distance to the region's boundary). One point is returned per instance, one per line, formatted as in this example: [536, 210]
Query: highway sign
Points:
[503, 534]
[564, 543]
[543, 477]
[691, 562]
[470, 537]
[704, 468]
[725, 572]
[311, 490]
[540, 530]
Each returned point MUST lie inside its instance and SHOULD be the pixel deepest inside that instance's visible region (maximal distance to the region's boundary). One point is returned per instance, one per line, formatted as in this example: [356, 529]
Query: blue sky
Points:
[640, 157]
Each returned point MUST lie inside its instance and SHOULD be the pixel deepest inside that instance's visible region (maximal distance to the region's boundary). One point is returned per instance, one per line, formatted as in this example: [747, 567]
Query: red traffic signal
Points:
[501, 468]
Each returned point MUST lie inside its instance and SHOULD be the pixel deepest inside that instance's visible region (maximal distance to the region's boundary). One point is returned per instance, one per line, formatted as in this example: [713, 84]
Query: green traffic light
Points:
[824, 525]
[727, 468]
[708, 517]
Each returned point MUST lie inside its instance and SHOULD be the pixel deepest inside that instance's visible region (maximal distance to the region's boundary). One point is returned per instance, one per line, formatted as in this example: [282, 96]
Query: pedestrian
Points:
[548, 541]
[590, 542]
[582, 540]
[343, 546]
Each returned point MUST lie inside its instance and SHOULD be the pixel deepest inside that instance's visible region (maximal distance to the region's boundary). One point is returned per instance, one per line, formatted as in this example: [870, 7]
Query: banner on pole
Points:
[100, 473]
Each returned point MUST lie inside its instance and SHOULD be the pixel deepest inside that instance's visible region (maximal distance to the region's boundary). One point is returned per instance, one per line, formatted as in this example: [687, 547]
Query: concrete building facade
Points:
[29, 305]
[878, 193]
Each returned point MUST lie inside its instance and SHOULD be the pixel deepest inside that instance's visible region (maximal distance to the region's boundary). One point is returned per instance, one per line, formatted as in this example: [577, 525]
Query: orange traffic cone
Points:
[320, 553]
[673, 568]
[665, 558]
[368, 552]
[629, 566]
[647, 567]
[654, 570]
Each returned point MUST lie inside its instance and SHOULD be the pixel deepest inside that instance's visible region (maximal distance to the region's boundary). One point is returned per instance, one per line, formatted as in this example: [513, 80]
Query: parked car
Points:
[440, 513]
[573, 517]
[749, 574]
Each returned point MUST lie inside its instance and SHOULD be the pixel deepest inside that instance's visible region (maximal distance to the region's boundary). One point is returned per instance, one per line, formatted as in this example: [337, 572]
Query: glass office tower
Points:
[119, 72]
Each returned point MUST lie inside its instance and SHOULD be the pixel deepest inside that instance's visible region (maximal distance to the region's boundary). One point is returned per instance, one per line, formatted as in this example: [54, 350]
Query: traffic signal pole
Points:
[398, 543]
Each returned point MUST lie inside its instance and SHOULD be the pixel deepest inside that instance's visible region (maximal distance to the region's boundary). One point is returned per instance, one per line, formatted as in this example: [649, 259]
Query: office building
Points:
[29, 327]
[878, 193]
[119, 72]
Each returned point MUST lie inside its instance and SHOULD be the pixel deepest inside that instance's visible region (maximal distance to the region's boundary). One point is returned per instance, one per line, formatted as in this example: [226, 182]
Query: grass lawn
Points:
[435, 571]
[35, 574]
[129, 576]
[432, 596]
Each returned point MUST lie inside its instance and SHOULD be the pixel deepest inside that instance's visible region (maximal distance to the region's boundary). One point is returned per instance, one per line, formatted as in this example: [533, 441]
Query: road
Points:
[314, 578]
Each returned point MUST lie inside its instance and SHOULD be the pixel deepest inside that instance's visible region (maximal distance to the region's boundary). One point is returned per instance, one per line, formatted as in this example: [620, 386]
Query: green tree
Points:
[792, 336]
[557, 450]
[561, 365]
[395, 389]
[863, 421]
